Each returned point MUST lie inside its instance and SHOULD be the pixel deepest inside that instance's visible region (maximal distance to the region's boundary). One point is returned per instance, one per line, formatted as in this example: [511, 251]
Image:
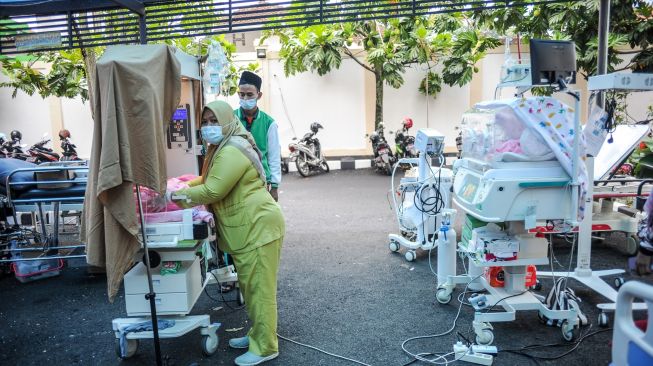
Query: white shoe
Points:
[250, 359]
[239, 343]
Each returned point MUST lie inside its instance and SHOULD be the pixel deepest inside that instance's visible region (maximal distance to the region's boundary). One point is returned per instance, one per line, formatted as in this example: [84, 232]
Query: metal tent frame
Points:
[89, 23]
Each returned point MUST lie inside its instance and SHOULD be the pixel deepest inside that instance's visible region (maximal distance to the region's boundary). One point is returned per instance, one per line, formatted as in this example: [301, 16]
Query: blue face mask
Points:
[248, 104]
[212, 134]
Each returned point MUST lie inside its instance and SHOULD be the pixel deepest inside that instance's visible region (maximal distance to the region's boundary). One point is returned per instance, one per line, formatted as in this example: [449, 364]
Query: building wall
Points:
[342, 101]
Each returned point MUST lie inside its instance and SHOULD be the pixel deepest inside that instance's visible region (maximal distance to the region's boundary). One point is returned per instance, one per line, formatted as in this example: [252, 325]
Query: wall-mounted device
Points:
[179, 130]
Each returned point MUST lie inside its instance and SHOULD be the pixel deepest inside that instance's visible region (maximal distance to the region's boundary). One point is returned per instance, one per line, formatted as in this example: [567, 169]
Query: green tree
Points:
[631, 24]
[451, 43]
[71, 72]
[67, 74]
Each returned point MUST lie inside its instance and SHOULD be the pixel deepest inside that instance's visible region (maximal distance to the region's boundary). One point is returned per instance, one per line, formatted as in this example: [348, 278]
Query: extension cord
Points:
[484, 349]
[462, 354]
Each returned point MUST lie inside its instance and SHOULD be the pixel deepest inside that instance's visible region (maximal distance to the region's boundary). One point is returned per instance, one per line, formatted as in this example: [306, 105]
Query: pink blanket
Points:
[157, 212]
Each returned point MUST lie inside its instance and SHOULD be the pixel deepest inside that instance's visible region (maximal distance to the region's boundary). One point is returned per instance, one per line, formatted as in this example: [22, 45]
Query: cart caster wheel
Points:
[542, 318]
[604, 320]
[394, 246]
[209, 345]
[410, 255]
[485, 338]
[569, 332]
[132, 347]
[632, 245]
[240, 300]
[618, 282]
[443, 296]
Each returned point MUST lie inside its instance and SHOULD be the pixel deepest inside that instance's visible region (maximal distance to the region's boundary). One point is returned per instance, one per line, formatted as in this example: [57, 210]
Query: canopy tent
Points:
[87, 23]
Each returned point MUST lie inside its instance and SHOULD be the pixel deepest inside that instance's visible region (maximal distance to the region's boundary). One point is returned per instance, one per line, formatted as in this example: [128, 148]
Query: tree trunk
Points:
[378, 78]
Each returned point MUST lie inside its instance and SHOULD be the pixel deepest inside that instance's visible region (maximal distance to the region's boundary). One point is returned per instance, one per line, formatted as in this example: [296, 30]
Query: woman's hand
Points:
[274, 192]
[169, 196]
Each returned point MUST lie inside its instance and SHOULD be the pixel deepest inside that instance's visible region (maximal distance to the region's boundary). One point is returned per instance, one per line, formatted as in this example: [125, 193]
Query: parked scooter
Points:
[41, 154]
[307, 153]
[15, 148]
[68, 148]
[383, 160]
[3, 148]
[404, 143]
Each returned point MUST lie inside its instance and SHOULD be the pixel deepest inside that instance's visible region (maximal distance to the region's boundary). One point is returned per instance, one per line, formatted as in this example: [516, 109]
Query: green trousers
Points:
[257, 278]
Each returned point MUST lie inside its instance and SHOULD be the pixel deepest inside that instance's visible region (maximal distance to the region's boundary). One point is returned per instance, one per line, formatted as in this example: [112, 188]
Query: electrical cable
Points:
[226, 302]
[575, 345]
[453, 326]
[502, 299]
[322, 351]
[285, 109]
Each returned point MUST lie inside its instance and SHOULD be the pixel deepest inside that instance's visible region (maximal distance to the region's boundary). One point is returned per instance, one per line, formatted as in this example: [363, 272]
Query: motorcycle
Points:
[41, 154]
[68, 148]
[307, 153]
[4, 153]
[383, 160]
[404, 143]
[13, 148]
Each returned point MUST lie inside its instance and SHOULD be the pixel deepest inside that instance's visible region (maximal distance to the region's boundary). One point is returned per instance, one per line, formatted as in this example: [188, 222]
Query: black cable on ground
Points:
[226, 302]
[521, 351]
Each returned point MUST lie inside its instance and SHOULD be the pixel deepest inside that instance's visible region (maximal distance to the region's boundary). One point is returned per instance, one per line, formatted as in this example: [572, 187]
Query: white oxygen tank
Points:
[446, 247]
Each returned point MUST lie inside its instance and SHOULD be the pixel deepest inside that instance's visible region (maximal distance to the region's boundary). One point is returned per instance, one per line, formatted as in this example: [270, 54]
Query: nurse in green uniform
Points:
[250, 223]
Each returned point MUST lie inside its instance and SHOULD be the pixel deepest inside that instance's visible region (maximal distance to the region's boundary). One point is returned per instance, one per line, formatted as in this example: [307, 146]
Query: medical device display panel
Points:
[179, 132]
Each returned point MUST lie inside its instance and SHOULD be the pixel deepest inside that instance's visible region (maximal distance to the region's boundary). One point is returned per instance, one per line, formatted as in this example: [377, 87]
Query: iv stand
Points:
[151, 296]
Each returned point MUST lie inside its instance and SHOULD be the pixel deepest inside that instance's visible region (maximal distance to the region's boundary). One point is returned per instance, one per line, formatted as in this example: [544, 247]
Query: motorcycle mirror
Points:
[391, 132]
[294, 138]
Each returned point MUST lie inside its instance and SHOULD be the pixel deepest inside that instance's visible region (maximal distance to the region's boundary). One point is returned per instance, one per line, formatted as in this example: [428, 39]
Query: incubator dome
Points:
[493, 133]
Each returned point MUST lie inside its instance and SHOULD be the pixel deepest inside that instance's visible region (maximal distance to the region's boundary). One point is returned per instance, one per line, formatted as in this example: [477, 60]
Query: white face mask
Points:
[248, 104]
[212, 134]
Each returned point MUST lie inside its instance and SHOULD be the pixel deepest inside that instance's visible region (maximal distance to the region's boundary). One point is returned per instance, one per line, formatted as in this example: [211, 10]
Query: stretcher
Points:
[54, 187]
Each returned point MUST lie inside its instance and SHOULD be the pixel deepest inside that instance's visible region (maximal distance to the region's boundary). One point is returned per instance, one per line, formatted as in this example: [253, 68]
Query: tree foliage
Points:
[67, 74]
[631, 24]
[448, 45]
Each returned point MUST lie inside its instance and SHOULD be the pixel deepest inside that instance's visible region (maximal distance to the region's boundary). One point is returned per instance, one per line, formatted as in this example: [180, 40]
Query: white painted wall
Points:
[28, 114]
[77, 119]
[336, 100]
[444, 111]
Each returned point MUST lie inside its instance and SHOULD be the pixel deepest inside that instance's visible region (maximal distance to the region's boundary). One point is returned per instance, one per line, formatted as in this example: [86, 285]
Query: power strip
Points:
[463, 353]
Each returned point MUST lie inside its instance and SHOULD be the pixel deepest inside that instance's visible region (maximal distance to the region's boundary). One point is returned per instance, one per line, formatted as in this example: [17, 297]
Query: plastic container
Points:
[28, 271]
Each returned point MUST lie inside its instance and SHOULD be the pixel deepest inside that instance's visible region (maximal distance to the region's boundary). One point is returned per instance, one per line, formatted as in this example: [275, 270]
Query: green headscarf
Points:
[235, 135]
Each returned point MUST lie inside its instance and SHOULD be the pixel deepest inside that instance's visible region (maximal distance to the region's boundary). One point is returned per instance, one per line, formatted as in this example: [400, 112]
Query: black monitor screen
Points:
[552, 60]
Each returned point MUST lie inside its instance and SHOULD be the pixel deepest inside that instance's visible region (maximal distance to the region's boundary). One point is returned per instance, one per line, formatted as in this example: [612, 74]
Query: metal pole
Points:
[604, 25]
[142, 27]
[151, 296]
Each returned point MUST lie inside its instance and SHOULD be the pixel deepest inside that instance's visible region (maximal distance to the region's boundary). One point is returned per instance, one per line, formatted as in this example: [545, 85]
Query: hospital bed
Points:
[609, 215]
[54, 187]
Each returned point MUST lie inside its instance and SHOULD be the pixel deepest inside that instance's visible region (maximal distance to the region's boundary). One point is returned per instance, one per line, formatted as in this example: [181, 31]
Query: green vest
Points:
[259, 130]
